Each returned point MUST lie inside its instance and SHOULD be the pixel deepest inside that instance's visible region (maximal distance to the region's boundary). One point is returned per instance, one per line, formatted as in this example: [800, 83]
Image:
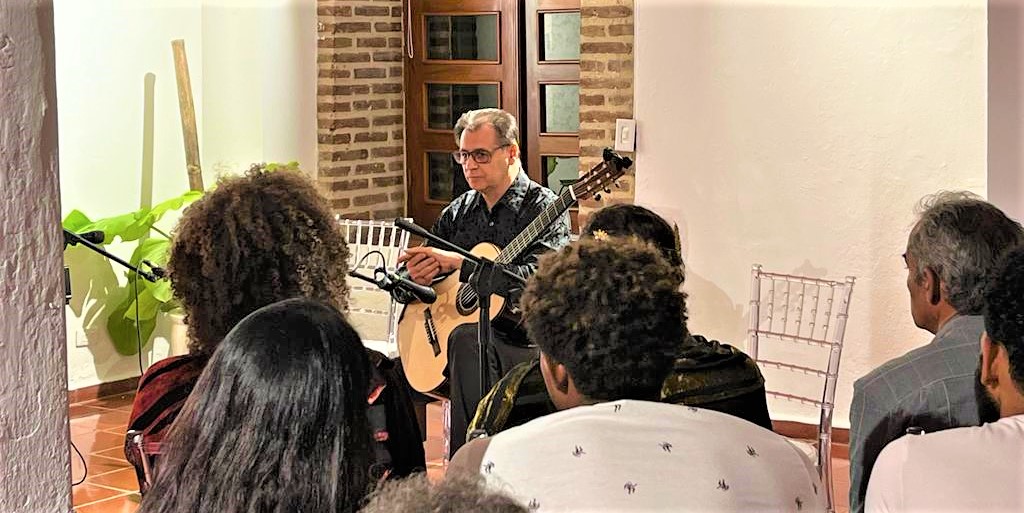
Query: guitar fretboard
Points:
[525, 238]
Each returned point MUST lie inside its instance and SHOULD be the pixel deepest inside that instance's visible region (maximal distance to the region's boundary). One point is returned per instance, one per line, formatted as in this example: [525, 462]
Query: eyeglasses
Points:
[480, 156]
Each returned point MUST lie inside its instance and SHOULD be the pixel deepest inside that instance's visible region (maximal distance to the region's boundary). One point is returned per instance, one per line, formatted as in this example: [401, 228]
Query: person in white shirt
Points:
[608, 316]
[971, 468]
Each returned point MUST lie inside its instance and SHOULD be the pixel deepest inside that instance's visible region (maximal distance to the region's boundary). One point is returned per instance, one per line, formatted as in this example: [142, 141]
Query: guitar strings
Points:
[468, 294]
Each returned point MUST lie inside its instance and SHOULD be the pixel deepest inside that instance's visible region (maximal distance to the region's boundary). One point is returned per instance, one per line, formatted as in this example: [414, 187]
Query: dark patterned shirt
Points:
[466, 222]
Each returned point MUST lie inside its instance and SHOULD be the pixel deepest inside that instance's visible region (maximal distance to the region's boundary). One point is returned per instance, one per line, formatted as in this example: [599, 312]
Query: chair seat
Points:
[383, 346]
[806, 447]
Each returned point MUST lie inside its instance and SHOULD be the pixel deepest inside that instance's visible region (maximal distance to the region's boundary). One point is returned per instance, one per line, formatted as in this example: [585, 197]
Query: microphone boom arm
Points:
[73, 238]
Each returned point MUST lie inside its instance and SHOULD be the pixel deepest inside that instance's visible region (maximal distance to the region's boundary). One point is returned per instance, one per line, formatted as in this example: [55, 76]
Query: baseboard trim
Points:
[94, 392]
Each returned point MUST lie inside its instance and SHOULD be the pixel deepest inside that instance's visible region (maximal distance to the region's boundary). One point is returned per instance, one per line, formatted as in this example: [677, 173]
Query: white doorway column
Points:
[33, 360]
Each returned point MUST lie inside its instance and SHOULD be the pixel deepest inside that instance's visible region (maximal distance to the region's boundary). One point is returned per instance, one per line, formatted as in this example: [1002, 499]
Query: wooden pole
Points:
[188, 116]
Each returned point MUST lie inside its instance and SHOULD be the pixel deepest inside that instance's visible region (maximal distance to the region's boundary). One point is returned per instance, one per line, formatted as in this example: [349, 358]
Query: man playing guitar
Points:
[502, 202]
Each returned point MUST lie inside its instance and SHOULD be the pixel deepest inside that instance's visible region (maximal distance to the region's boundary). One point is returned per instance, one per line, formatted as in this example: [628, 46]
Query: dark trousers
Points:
[464, 373]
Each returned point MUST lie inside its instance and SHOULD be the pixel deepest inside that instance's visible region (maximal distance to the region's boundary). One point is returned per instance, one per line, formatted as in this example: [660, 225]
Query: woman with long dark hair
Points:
[255, 239]
[276, 422]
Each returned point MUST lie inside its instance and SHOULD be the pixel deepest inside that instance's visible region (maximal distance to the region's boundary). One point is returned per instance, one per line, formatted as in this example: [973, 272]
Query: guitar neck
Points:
[529, 235]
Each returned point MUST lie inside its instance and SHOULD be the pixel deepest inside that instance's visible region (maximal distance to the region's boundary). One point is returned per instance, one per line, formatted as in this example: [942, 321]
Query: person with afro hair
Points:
[253, 240]
[970, 468]
[608, 314]
[707, 373]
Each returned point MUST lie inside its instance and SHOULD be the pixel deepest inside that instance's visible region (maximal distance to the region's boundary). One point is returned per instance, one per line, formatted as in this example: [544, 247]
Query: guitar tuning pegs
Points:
[607, 190]
[597, 197]
[617, 184]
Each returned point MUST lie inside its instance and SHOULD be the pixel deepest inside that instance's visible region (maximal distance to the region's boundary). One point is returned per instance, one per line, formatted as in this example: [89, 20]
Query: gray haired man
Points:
[955, 245]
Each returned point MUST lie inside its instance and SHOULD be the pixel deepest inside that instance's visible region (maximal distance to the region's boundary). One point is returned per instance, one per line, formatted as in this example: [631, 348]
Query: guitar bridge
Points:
[428, 325]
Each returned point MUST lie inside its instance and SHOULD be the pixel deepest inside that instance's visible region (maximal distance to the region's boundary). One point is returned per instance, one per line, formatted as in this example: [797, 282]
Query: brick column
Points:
[360, 104]
[606, 86]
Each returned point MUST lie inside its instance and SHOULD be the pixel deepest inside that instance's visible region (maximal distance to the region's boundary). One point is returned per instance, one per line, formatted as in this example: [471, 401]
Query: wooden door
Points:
[552, 91]
[465, 55]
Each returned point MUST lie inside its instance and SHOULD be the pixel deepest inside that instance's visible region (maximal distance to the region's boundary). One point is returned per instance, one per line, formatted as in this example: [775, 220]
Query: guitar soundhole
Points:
[466, 302]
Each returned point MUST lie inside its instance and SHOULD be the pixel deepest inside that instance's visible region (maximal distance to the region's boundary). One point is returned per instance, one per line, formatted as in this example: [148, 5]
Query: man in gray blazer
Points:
[956, 243]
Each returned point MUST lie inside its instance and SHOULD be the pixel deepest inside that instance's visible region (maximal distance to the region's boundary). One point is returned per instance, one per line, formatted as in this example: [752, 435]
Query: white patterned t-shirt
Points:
[647, 456]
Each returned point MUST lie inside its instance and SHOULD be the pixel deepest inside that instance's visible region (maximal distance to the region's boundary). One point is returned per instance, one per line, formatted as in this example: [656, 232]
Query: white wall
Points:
[800, 135]
[105, 50]
[259, 83]
[34, 466]
[253, 74]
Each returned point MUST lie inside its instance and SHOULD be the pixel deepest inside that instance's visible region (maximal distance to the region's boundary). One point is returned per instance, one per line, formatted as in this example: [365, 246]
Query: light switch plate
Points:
[625, 135]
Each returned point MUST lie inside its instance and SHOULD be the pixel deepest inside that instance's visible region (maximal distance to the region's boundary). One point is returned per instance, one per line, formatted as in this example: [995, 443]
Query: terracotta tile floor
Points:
[97, 428]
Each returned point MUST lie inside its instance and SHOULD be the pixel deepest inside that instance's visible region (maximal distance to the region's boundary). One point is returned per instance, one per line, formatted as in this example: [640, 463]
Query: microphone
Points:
[393, 282]
[412, 228]
[399, 286]
[95, 237]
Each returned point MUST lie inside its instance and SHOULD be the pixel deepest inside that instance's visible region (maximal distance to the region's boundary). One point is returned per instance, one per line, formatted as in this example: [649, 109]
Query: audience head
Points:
[457, 493]
[1000, 383]
[276, 422]
[251, 241]
[952, 249]
[636, 221]
[609, 317]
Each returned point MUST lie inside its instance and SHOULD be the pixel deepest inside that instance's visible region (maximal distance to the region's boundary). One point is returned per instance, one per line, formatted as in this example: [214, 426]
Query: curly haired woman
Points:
[254, 240]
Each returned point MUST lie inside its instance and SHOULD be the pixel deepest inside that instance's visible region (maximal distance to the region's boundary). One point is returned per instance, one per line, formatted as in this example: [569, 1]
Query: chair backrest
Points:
[371, 245]
[808, 314]
[147, 453]
[801, 310]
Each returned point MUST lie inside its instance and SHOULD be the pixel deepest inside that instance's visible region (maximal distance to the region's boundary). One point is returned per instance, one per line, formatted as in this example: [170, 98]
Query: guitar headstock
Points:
[602, 176]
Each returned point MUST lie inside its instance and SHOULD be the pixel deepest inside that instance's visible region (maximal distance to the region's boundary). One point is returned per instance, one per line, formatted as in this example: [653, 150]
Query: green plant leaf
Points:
[75, 221]
[111, 226]
[161, 291]
[184, 200]
[135, 225]
[148, 305]
[154, 249]
[278, 166]
[122, 330]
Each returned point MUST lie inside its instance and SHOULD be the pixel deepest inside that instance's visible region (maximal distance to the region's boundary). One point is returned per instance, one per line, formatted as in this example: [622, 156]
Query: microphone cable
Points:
[85, 467]
[383, 261]
[138, 329]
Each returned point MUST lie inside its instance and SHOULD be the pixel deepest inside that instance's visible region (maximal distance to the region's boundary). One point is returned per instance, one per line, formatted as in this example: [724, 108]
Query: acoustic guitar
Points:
[424, 329]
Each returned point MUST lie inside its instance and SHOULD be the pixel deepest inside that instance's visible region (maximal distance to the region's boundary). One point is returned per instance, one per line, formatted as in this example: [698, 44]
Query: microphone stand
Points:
[488, 278]
[73, 238]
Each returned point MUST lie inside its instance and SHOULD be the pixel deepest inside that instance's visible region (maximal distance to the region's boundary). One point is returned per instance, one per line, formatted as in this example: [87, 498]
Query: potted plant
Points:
[134, 316]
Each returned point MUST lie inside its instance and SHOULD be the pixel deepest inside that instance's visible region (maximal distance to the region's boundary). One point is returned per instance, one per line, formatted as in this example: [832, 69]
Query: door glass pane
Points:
[441, 175]
[472, 37]
[561, 171]
[446, 102]
[561, 108]
[560, 35]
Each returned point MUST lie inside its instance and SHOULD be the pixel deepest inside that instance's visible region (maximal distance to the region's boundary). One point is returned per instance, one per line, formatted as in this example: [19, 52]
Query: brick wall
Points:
[606, 86]
[360, 113]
